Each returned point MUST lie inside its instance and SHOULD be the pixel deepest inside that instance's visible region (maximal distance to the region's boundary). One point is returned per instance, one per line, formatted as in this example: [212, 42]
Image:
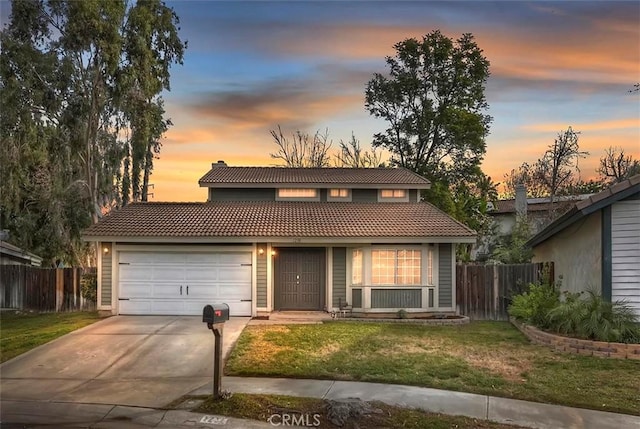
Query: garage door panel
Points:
[235, 274]
[150, 282]
[201, 273]
[133, 273]
[168, 273]
[234, 258]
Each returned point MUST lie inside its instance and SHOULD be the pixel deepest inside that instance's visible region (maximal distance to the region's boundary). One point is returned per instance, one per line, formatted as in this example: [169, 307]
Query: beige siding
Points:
[261, 276]
[106, 283]
[576, 252]
[625, 253]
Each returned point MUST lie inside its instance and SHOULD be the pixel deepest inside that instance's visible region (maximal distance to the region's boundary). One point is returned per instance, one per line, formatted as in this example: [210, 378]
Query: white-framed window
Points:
[396, 266]
[297, 193]
[356, 267]
[393, 193]
[339, 193]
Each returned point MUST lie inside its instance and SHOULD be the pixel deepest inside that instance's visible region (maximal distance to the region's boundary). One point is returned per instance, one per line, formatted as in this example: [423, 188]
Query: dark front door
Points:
[299, 279]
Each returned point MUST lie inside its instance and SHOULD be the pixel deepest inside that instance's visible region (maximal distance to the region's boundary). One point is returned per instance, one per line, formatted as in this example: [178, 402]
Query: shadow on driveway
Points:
[143, 361]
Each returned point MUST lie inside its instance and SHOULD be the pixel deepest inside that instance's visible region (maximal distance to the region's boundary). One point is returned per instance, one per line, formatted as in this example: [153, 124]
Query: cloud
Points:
[608, 125]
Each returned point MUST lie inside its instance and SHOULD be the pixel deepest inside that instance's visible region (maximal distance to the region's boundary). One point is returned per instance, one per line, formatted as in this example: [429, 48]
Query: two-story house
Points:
[275, 238]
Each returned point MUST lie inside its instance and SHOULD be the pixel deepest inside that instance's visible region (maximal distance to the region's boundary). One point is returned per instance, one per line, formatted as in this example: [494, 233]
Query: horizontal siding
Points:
[339, 276]
[364, 195]
[106, 277]
[356, 296]
[396, 298]
[445, 282]
[625, 253]
[261, 277]
[257, 194]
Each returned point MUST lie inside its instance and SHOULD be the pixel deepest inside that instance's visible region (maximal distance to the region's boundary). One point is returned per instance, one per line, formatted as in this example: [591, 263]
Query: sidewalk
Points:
[35, 414]
[503, 410]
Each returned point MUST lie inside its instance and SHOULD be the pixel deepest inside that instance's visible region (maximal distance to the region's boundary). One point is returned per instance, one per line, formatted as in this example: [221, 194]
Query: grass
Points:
[314, 413]
[491, 358]
[21, 332]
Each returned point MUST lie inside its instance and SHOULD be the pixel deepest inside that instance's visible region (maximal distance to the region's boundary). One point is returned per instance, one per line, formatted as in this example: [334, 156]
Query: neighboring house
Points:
[596, 244]
[13, 255]
[276, 238]
[538, 211]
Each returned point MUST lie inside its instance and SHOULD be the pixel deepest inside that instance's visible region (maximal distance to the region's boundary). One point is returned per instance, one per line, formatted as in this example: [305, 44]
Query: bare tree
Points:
[524, 175]
[616, 166]
[351, 155]
[302, 150]
[558, 166]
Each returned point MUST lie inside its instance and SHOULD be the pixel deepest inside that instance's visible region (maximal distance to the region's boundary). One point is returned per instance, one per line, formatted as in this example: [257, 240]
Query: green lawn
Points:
[261, 407]
[491, 358]
[20, 332]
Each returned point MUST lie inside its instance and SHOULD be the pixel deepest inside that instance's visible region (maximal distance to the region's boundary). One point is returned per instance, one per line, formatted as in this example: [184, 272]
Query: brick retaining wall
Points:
[577, 346]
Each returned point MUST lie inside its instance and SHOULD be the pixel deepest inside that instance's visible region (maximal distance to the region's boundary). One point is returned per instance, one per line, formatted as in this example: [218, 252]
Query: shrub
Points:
[593, 318]
[89, 286]
[402, 314]
[534, 305]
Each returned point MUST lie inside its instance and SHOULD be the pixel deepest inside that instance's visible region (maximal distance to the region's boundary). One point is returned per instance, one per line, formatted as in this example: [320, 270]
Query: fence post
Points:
[59, 288]
[496, 294]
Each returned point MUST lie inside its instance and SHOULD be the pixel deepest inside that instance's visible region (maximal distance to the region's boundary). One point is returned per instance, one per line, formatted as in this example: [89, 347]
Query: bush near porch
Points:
[491, 358]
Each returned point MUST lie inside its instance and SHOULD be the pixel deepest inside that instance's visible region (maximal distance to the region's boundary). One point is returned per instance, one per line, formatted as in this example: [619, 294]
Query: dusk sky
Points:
[304, 65]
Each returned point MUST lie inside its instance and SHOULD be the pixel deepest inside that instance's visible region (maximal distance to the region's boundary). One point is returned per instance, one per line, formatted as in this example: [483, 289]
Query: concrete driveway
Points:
[144, 361]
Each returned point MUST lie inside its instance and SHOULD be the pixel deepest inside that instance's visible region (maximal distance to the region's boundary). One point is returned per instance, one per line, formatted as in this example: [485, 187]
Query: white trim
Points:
[269, 278]
[317, 185]
[115, 284]
[283, 241]
[99, 276]
[453, 278]
[329, 279]
[184, 248]
[254, 280]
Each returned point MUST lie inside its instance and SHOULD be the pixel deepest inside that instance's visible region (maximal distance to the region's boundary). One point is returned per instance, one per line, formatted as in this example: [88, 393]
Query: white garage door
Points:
[625, 253]
[181, 283]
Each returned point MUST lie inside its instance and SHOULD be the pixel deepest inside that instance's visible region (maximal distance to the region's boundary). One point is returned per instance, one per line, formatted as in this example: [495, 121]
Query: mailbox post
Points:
[215, 316]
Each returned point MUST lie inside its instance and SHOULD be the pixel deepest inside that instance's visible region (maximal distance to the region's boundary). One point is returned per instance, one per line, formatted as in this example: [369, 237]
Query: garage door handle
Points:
[123, 299]
[245, 300]
[180, 289]
[187, 290]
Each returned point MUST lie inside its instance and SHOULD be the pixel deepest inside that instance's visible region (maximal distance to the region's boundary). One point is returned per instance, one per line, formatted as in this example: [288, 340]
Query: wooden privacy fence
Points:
[43, 289]
[484, 291]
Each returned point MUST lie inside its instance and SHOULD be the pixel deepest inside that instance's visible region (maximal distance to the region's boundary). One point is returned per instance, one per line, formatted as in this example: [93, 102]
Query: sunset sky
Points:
[251, 66]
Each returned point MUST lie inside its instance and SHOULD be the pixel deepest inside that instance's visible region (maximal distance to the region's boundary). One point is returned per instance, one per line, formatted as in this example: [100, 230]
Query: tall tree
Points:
[616, 166]
[86, 79]
[302, 150]
[433, 102]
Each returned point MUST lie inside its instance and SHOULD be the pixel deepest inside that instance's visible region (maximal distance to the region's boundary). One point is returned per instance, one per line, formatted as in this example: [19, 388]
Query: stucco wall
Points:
[577, 254]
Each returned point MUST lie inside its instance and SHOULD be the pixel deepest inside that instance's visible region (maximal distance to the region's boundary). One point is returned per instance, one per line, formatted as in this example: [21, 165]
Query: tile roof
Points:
[580, 209]
[220, 174]
[509, 206]
[278, 219]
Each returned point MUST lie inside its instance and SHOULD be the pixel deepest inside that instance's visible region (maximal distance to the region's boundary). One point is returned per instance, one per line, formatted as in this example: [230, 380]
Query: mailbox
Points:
[217, 313]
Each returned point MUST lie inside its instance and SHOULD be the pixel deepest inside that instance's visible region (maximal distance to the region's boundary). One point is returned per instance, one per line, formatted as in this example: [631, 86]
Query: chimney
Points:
[219, 164]
[521, 200]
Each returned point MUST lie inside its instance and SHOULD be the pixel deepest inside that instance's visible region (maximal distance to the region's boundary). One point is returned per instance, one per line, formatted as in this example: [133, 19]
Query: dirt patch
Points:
[265, 351]
[509, 364]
